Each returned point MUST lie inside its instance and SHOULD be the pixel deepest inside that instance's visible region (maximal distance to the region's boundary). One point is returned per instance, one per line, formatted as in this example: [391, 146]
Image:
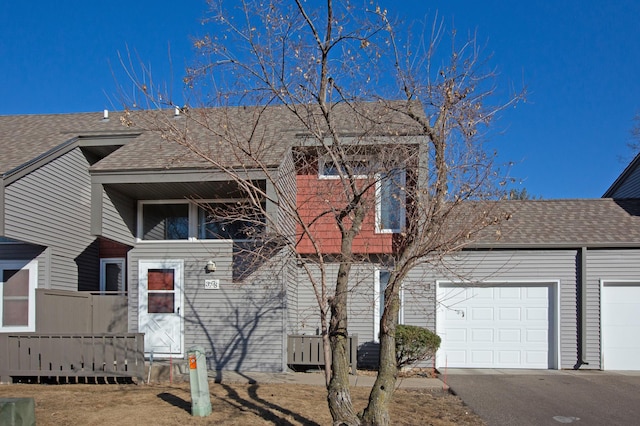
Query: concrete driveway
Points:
[581, 398]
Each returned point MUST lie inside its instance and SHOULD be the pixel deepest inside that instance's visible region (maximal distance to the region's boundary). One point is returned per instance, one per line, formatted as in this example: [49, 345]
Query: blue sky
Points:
[580, 61]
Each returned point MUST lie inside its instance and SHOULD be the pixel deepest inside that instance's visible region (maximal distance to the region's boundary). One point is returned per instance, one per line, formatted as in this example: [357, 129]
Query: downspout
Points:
[583, 308]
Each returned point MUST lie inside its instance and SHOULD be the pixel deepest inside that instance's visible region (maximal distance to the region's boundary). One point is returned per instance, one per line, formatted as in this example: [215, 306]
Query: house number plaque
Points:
[212, 284]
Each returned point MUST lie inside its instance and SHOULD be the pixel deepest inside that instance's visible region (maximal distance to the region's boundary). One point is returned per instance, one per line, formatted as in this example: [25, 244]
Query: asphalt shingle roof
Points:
[598, 222]
[25, 137]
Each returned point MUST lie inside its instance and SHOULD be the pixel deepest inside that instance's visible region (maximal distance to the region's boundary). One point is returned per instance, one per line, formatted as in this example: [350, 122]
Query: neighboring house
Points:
[89, 204]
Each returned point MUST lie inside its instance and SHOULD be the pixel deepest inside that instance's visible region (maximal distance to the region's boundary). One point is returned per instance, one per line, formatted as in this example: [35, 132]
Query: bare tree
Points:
[634, 144]
[318, 71]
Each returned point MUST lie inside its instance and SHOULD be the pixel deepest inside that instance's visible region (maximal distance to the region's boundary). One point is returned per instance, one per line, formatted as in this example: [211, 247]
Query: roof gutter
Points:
[551, 246]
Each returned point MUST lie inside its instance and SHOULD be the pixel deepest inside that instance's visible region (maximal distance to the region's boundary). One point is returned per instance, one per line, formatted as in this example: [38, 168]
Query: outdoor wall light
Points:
[211, 266]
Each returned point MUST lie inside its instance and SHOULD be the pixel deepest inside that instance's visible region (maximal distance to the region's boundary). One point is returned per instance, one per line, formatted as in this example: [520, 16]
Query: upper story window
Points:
[355, 165]
[184, 220]
[230, 221]
[390, 201]
[168, 221]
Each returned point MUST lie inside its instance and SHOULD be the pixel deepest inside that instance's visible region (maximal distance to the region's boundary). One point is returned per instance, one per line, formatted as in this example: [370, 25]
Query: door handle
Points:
[178, 310]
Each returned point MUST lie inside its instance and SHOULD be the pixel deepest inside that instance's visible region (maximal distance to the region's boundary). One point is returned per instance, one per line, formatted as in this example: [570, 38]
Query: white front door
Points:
[160, 307]
[496, 326]
[620, 325]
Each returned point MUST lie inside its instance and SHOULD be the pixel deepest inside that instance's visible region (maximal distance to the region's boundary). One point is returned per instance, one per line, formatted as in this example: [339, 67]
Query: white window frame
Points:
[326, 159]
[379, 228]
[103, 273]
[378, 309]
[140, 227]
[32, 267]
[193, 218]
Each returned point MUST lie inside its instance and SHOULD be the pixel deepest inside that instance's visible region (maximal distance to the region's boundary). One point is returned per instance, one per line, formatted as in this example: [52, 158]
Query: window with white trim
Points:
[229, 219]
[112, 275]
[165, 221]
[360, 166]
[380, 284]
[18, 295]
[390, 201]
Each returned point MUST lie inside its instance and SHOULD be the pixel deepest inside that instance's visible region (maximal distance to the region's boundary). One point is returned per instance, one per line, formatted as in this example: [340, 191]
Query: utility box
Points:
[17, 411]
[200, 396]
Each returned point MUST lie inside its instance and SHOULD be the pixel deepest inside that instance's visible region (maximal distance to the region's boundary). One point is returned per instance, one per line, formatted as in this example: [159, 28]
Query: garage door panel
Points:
[509, 293]
[537, 358]
[509, 314]
[625, 314]
[509, 336]
[537, 336]
[479, 357]
[508, 326]
[482, 335]
[620, 326]
[482, 314]
[541, 293]
[512, 358]
[537, 314]
[457, 334]
[455, 314]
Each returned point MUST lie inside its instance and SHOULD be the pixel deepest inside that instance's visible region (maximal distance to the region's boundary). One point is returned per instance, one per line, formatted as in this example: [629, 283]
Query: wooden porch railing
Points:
[114, 355]
[305, 349]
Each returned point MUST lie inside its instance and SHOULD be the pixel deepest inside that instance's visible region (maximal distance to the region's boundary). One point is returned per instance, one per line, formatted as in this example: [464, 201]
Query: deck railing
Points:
[39, 355]
[307, 350]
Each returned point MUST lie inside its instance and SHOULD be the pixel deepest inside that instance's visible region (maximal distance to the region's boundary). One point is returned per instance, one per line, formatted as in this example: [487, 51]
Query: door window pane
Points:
[160, 279]
[160, 303]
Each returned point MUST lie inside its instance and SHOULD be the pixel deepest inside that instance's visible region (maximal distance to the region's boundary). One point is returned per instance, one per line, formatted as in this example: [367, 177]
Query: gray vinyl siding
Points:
[287, 187]
[242, 325]
[118, 217]
[500, 266]
[607, 265]
[51, 207]
[630, 188]
[360, 306]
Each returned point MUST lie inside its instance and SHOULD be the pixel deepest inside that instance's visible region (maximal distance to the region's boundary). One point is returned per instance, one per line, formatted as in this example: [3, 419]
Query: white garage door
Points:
[620, 326]
[496, 326]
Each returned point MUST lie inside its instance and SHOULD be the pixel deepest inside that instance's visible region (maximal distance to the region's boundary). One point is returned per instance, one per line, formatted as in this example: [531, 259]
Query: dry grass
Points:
[232, 404]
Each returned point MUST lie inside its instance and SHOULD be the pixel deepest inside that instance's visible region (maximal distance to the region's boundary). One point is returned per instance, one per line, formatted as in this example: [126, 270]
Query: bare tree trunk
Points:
[377, 411]
[339, 394]
[326, 349]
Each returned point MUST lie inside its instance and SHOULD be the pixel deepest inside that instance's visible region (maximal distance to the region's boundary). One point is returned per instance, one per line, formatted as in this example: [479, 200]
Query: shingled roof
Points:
[269, 131]
[601, 222]
[24, 138]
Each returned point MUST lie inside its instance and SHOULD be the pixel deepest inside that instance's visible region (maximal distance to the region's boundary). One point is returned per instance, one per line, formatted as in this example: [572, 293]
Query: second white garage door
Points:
[620, 325]
[496, 325]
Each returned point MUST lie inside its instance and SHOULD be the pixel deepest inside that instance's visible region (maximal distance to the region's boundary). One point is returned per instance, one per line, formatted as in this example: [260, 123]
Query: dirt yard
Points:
[232, 404]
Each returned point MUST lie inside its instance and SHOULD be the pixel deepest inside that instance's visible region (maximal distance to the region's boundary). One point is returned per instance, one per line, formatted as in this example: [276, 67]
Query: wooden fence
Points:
[77, 334]
[71, 355]
[307, 350]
